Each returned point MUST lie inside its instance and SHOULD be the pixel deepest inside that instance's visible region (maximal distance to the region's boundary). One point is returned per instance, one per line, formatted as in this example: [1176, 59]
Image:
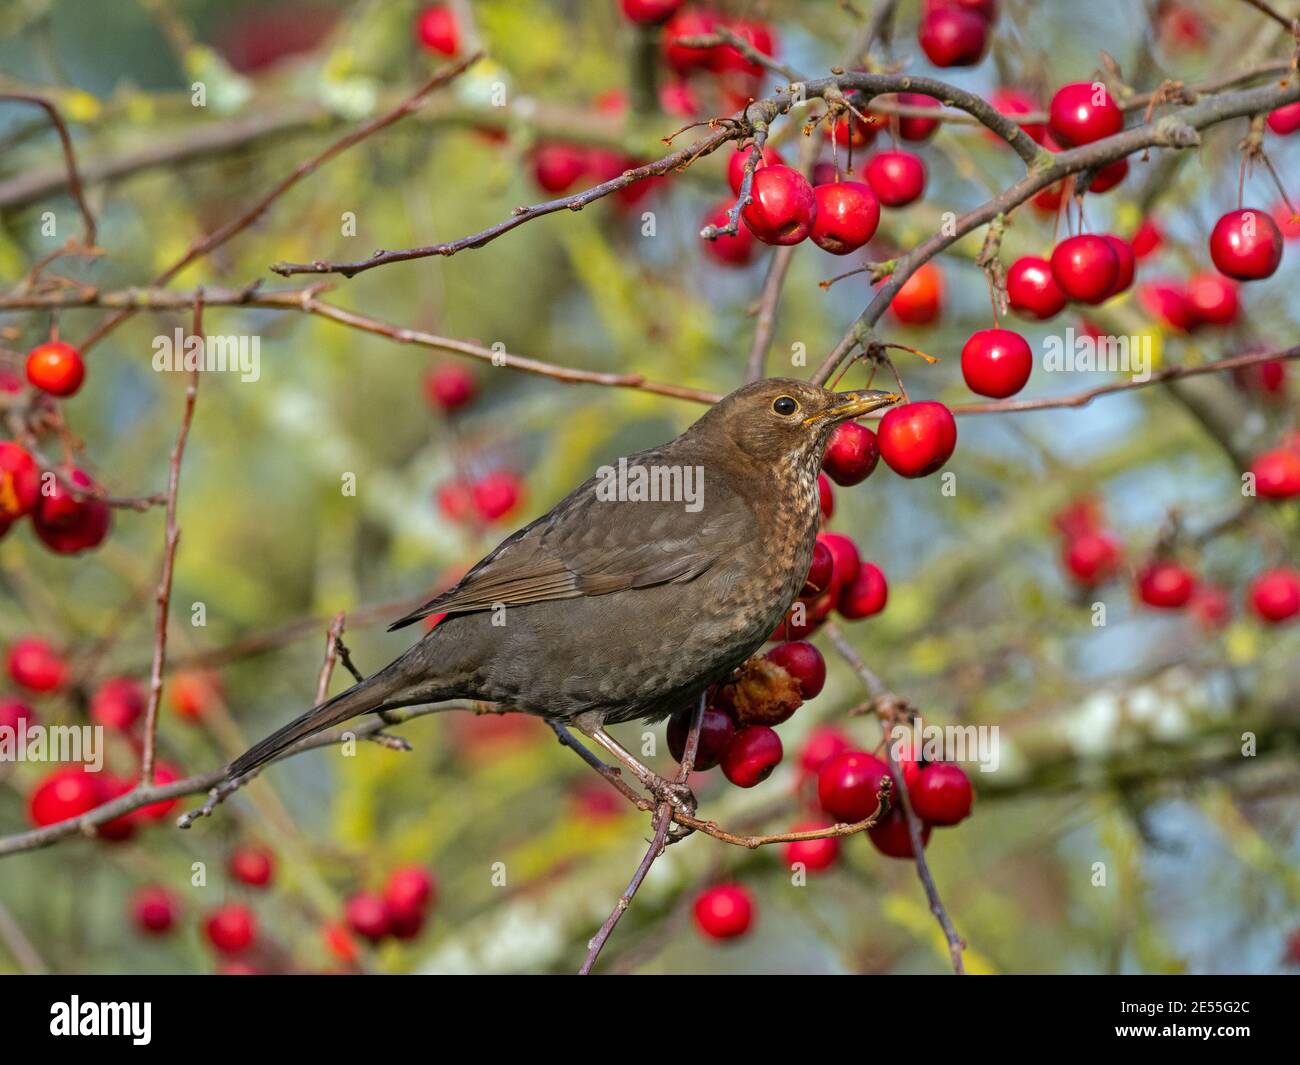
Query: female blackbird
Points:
[624, 602]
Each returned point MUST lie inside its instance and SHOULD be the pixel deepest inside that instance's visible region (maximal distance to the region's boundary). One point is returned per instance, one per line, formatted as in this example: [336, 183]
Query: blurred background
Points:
[1120, 744]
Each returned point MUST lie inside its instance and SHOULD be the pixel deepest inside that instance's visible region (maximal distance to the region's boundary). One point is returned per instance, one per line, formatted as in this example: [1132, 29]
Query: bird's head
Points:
[781, 419]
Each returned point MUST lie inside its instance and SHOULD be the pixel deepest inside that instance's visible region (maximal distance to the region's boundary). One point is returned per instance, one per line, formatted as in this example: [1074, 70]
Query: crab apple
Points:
[1092, 558]
[847, 560]
[851, 454]
[650, 11]
[1166, 585]
[850, 131]
[1277, 474]
[412, 889]
[1213, 299]
[996, 362]
[1085, 267]
[814, 855]
[847, 216]
[253, 866]
[1167, 300]
[891, 836]
[942, 794]
[825, 496]
[1109, 176]
[1127, 263]
[897, 178]
[1275, 595]
[20, 481]
[724, 911]
[1211, 606]
[193, 693]
[821, 745]
[154, 909]
[847, 784]
[920, 299]
[783, 208]
[63, 794]
[1267, 378]
[112, 787]
[557, 167]
[751, 756]
[1032, 290]
[56, 368]
[986, 9]
[1013, 103]
[689, 22]
[437, 30]
[738, 159]
[163, 773]
[14, 711]
[717, 729]
[35, 665]
[728, 249]
[1287, 221]
[67, 523]
[1083, 514]
[117, 704]
[824, 173]
[367, 915]
[953, 36]
[1083, 112]
[1147, 239]
[803, 619]
[231, 928]
[866, 595]
[916, 439]
[1049, 201]
[754, 32]
[1246, 244]
[914, 127]
[1284, 120]
[803, 662]
[496, 494]
[449, 386]
[821, 571]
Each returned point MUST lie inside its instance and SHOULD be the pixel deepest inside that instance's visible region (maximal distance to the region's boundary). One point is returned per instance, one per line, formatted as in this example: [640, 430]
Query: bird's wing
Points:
[590, 546]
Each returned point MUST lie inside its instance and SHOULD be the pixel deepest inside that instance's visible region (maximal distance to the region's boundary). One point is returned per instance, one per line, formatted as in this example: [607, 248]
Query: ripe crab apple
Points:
[1083, 112]
[914, 127]
[813, 854]
[1127, 263]
[727, 57]
[1148, 239]
[154, 909]
[689, 22]
[783, 208]
[1284, 120]
[449, 386]
[1287, 220]
[724, 911]
[1092, 558]
[68, 523]
[1167, 300]
[1166, 585]
[803, 662]
[1032, 290]
[847, 130]
[56, 368]
[716, 732]
[953, 36]
[920, 299]
[118, 703]
[729, 249]
[20, 481]
[63, 794]
[897, 178]
[412, 889]
[1012, 103]
[821, 571]
[825, 496]
[751, 756]
[1275, 595]
[496, 494]
[437, 30]
[253, 866]
[1213, 299]
[866, 595]
[1085, 267]
[14, 711]
[893, 838]
[368, 916]
[650, 11]
[231, 928]
[847, 216]
[851, 454]
[557, 167]
[1277, 474]
[1109, 176]
[738, 159]
[35, 665]
[847, 785]
[823, 744]
[847, 560]
[1246, 244]
[942, 794]
[996, 362]
[916, 439]
[156, 811]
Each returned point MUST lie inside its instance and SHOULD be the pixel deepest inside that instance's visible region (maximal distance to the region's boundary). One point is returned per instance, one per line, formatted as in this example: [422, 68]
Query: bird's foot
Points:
[679, 796]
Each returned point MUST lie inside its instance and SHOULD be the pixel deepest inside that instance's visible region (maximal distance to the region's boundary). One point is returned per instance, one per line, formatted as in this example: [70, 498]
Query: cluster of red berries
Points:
[231, 929]
[956, 33]
[399, 910]
[66, 512]
[1185, 306]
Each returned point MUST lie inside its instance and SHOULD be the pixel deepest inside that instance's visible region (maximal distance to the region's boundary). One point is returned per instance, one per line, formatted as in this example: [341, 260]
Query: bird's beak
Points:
[854, 405]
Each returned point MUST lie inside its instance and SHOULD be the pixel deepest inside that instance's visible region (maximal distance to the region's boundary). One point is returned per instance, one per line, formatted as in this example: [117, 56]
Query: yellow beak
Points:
[854, 405]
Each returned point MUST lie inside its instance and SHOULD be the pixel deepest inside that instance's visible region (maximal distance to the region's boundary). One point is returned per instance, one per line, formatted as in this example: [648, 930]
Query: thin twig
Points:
[89, 229]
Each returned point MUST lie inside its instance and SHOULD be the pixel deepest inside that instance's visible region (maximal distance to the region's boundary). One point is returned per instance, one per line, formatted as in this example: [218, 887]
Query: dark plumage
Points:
[603, 611]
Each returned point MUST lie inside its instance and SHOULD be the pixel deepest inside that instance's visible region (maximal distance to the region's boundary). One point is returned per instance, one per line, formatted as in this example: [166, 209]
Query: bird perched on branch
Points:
[623, 602]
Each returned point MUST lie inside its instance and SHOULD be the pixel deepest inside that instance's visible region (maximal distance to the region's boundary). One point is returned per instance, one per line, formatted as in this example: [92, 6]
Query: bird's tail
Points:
[384, 690]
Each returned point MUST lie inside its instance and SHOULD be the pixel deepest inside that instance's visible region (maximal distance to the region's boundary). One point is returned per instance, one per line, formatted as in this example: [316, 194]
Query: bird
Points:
[645, 585]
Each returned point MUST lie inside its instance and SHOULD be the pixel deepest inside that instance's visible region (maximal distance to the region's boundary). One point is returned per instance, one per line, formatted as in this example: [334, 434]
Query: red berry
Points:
[1109, 176]
[412, 889]
[688, 23]
[847, 560]
[1212, 606]
[717, 729]
[851, 454]
[192, 694]
[1287, 221]
[919, 300]
[66, 523]
[20, 481]
[1167, 300]
[724, 912]
[942, 794]
[1015, 102]
[1092, 558]
[916, 439]
[823, 744]
[821, 572]
[847, 216]
[892, 838]
[751, 756]
[1277, 474]
[825, 496]
[814, 854]
[783, 208]
[1032, 290]
[56, 368]
[1127, 263]
[35, 665]
[848, 130]
[253, 866]
[866, 595]
[14, 711]
[736, 165]
[915, 128]
[1275, 595]
[1083, 112]
[156, 811]
[154, 909]
[803, 662]
[557, 167]
[729, 58]
[737, 250]
[953, 37]
[367, 915]
[437, 29]
[1148, 239]
[113, 787]
[1166, 585]
[449, 386]
[897, 178]
[1246, 244]
[1085, 267]
[1081, 515]
[231, 928]
[63, 794]
[497, 494]
[847, 784]
[1286, 119]
[117, 704]
[996, 362]
[650, 11]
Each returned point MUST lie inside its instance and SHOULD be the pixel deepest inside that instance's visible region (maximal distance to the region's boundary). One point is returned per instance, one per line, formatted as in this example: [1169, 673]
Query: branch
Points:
[69, 158]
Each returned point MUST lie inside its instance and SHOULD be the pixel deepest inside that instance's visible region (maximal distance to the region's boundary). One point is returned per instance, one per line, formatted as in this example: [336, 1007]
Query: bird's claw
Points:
[679, 796]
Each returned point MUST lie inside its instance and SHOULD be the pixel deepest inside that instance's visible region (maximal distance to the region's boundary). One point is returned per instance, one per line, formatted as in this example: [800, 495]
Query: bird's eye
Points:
[784, 406]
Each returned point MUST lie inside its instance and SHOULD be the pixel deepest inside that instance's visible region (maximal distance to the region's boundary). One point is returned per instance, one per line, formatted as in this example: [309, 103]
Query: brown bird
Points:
[643, 586]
